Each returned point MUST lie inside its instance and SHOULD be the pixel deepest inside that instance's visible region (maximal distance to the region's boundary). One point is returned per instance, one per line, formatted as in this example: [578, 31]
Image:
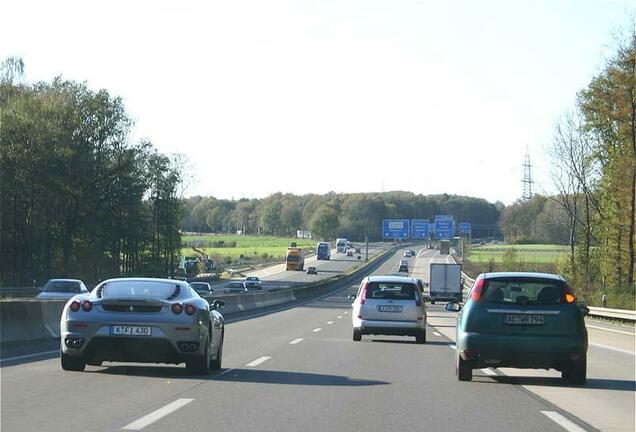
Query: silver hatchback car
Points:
[389, 305]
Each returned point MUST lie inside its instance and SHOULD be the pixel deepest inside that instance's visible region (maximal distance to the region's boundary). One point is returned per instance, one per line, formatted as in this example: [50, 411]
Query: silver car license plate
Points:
[390, 308]
[524, 319]
[126, 330]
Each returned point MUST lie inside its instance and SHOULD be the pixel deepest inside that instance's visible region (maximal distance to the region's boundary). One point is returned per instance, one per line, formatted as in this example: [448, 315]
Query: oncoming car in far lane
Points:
[312, 270]
[142, 320]
[521, 320]
[253, 282]
[234, 286]
[203, 288]
[56, 289]
[389, 305]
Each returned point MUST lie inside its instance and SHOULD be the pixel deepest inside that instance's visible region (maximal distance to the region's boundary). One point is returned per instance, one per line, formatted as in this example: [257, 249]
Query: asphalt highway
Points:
[276, 277]
[299, 369]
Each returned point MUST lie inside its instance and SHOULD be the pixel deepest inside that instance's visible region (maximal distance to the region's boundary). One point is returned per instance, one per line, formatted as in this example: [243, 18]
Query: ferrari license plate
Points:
[390, 308]
[524, 319]
[126, 330]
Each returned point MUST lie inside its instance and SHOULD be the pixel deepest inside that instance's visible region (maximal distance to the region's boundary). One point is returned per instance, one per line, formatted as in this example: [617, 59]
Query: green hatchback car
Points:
[521, 320]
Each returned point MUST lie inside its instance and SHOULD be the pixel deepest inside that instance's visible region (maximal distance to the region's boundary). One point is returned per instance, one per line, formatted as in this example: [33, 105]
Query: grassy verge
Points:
[229, 249]
[530, 254]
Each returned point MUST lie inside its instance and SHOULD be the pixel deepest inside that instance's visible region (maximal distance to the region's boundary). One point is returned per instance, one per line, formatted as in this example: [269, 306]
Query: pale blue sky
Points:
[314, 96]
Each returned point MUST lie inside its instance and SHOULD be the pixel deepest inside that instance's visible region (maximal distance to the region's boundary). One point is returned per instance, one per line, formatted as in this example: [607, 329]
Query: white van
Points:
[341, 245]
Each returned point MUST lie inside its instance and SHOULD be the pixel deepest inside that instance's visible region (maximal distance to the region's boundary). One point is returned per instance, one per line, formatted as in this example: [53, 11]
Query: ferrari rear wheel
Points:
[200, 365]
[76, 364]
[215, 364]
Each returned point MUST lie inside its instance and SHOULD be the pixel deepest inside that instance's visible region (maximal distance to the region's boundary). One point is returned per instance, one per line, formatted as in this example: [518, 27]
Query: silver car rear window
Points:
[391, 291]
[62, 286]
[523, 291]
[139, 289]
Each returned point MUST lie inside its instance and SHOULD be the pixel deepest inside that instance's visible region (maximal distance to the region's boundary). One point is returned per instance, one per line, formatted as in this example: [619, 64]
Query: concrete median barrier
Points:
[29, 320]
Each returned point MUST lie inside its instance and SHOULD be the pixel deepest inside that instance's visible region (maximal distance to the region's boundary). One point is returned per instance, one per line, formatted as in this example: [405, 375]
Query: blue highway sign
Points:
[464, 228]
[395, 229]
[420, 229]
[444, 229]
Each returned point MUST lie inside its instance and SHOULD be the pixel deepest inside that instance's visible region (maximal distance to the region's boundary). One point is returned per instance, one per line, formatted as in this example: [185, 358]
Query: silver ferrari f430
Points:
[142, 320]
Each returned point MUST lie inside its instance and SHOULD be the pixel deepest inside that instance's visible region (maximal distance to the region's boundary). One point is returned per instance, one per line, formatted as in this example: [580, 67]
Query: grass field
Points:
[535, 253]
[255, 247]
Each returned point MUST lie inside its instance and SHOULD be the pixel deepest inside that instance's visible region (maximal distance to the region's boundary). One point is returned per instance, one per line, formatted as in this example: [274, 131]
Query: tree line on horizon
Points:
[332, 215]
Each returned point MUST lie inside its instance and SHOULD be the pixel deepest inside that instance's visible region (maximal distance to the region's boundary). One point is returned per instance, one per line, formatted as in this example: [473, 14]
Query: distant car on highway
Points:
[357, 250]
[389, 305]
[349, 252]
[409, 253]
[312, 270]
[234, 286]
[253, 282]
[61, 289]
[403, 266]
[142, 320]
[203, 288]
[522, 320]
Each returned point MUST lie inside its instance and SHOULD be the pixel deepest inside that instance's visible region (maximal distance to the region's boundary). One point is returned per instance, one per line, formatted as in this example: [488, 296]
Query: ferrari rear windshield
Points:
[139, 289]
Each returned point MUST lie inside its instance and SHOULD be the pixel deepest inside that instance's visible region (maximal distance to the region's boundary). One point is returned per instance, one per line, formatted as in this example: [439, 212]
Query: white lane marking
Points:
[296, 341]
[346, 312]
[158, 414]
[329, 322]
[563, 422]
[436, 334]
[26, 356]
[339, 316]
[452, 347]
[316, 330]
[258, 361]
[489, 371]
[613, 349]
[610, 330]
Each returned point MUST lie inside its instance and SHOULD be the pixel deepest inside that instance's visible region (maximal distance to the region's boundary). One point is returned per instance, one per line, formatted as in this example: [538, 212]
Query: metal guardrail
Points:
[620, 314]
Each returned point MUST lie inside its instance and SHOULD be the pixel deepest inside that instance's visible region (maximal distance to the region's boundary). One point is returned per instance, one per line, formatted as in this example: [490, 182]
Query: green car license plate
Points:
[524, 319]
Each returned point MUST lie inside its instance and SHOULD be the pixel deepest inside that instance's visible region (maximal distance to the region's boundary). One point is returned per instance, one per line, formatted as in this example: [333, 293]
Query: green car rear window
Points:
[523, 291]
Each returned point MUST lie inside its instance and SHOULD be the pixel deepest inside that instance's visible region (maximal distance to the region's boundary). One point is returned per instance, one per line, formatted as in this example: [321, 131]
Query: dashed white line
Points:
[613, 349]
[329, 322]
[563, 422]
[452, 347]
[609, 330]
[258, 361]
[316, 330]
[157, 415]
[339, 316]
[296, 341]
[26, 356]
[489, 371]
[346, 312]
[436, 334]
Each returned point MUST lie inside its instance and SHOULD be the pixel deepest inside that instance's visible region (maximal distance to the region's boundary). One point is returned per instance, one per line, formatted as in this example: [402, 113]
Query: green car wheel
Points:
[463, 369]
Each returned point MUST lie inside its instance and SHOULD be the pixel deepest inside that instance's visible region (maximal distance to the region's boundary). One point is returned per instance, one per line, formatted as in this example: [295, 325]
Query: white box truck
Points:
[445, 282]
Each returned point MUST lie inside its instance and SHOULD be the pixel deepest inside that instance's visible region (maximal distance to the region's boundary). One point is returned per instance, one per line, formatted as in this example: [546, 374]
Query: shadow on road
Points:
[592, 383]
[294, 378]
[238, 375]
[411, 341]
